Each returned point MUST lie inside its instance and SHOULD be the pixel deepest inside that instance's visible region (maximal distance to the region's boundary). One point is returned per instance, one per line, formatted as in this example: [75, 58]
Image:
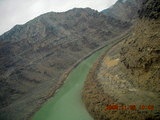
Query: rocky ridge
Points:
[128, 10]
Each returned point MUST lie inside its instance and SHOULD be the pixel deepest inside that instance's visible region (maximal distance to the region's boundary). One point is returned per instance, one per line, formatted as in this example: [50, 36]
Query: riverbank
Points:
[93, 95]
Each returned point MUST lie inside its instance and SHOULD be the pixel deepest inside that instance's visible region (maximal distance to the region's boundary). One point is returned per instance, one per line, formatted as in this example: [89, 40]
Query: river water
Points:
[67, 103]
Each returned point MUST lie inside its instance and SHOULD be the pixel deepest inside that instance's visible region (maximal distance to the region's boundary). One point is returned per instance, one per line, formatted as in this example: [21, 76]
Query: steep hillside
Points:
[34, 56]
[124, 10]
[145, 45]
[125, 83]
[150, 9]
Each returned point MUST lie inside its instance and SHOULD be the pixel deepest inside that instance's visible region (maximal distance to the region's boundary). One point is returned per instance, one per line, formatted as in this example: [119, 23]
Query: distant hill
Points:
[34, 56]
[124, 10]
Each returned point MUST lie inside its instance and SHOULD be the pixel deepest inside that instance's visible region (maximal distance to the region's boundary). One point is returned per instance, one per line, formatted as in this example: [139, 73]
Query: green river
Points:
[66, 103]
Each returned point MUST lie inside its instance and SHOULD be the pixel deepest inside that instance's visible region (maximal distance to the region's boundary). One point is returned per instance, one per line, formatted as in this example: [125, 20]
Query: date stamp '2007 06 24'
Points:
[129, 107]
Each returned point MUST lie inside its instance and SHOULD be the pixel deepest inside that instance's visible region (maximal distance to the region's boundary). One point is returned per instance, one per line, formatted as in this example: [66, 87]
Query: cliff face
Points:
[33, 56]
[126, 79]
